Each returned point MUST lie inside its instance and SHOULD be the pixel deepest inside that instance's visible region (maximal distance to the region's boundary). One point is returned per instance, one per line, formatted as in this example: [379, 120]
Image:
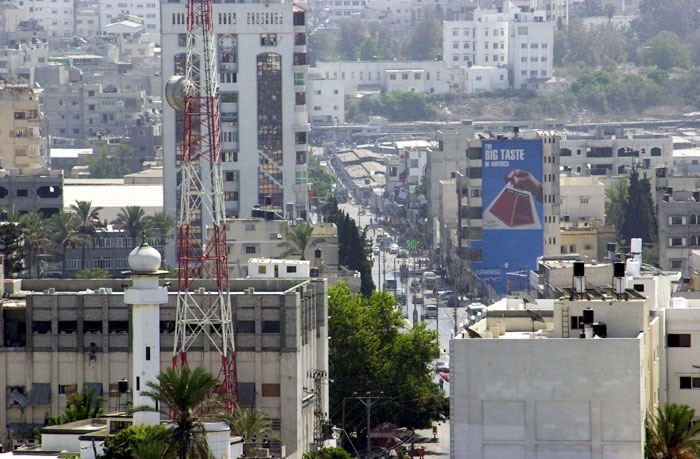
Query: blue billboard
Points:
[512, 213]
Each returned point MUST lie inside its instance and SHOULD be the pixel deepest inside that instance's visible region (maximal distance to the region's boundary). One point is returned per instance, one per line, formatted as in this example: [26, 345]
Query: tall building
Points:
[20, 141]
[508, 198]
[262, 66]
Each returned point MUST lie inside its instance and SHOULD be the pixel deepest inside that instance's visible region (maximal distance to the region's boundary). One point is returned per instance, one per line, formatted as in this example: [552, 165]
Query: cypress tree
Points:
[638, 211]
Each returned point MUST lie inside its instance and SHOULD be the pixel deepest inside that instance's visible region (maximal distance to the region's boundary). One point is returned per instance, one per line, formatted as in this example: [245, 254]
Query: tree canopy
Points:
[354, 249]
[370, 351]
[672, 433]
[638, 211]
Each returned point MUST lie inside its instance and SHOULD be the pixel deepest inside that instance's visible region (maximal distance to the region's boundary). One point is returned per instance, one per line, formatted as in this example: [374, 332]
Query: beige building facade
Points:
[20, 138]
[63, 337]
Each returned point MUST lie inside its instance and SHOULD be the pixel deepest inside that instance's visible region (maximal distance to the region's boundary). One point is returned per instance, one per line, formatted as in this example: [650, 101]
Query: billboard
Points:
[512, 212]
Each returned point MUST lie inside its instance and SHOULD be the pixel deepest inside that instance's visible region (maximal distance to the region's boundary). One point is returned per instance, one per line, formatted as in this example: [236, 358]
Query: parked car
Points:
[400, 295]
[430, 311]
[442, 366]
[394, 248]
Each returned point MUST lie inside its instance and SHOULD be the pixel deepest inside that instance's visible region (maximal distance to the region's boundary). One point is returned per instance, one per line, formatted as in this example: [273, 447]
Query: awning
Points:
[18, 398]
[40, 394]
[445, 376]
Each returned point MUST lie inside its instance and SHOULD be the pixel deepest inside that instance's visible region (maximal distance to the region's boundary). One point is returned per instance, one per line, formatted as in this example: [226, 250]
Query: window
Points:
[678, 340]
[690, 382]
[271, 326]
[270, 390]
[676, 220]
[291, 269]
[298, 78]
[268, 39]
[584, 200]
[245, 326]
[676, 241]
[250, 249]
[404, 76]
[522, 30]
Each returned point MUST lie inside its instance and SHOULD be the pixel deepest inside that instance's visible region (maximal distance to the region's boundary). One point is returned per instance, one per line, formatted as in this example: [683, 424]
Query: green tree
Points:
[131, 220]
[609, 11]
[322, 181]
[299, 239]
[369, 50]
[327, 453]
[392, 359]
[188, 394]
[615, 198]
[665, 51]
[672, 433]
[250, 423]
[12, 248]
[678, 16]
[160, 225]
[64, 227]
[37, 237]
[425, 40]
[89, 224]
[84, 405]
[109, 162]
[354, 248]
[142, 442]
[322, 46]
[638, 211]
[352, 34]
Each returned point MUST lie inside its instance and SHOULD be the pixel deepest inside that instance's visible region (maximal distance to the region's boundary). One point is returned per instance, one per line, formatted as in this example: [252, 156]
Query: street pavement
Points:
[434, 447]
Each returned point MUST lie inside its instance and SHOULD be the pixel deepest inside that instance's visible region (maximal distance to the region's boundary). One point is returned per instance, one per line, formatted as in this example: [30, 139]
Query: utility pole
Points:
[320, 417]
[369, 400]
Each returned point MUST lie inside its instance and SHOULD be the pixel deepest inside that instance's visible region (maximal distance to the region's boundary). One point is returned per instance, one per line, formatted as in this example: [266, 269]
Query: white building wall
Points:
[326, 101]
[56, 17]
[148, 10]
[546, 398]
[241, 186]
[582, 198]
[356, 75]
[531, 49]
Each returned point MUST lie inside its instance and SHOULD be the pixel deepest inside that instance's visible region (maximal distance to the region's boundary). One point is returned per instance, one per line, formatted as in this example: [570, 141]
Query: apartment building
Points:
[69, 335]
[21, 145]
[263, 66]
[545, 391]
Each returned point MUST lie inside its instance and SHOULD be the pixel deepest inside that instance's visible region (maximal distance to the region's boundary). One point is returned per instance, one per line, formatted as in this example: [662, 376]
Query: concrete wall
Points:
[547, 398]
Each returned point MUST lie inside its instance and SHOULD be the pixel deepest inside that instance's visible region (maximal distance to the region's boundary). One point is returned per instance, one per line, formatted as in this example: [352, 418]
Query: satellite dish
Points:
[527, 299]
[535, 316]
[473, 334]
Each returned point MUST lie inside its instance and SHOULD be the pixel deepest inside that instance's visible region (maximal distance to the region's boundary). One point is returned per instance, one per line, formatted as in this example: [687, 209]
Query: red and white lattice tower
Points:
[202, 314]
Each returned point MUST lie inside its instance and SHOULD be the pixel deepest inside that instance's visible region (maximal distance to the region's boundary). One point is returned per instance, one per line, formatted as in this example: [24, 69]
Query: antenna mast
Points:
[202, 314]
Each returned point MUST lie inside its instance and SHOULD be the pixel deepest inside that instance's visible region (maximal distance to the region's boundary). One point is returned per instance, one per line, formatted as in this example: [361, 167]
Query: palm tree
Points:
[89, 224]
[36, 237]
[615, 197]
[64, 227]
[672, 434]
[299, 240]
[188, 395]
[250, 424]
[160, 225]
[131, 220]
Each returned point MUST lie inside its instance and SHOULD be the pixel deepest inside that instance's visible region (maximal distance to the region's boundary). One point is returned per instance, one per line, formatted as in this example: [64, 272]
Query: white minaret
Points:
[145, 296]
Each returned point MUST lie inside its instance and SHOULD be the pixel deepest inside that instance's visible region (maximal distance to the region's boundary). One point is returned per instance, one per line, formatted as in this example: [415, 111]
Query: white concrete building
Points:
[377, 75]
[55, 16]
[263, 65]
[520, 39]
[326, 100]
[535, 389]
[149, 11]
[614, 152]
[582, 198]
